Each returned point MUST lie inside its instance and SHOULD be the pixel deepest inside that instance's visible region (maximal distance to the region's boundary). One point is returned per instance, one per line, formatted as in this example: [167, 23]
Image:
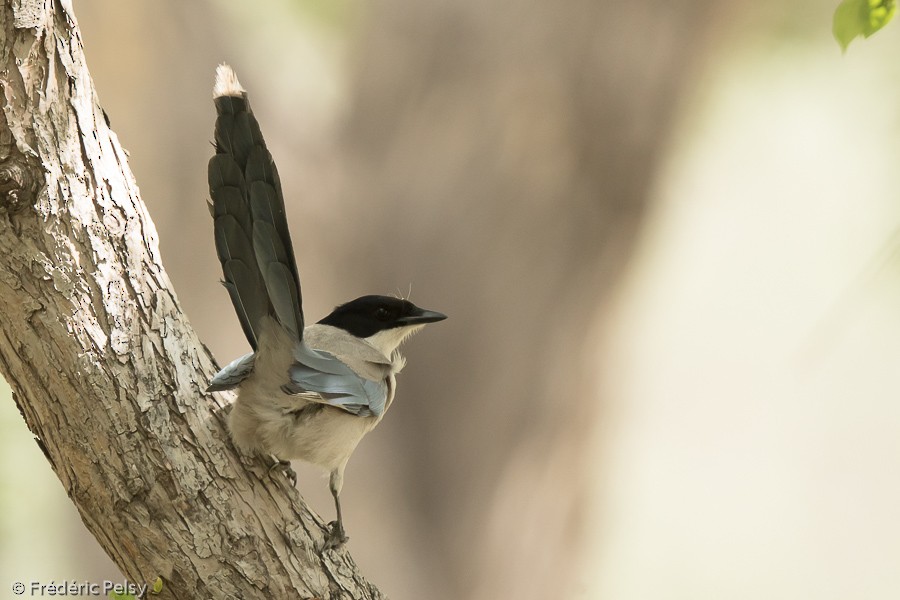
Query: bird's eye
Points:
[382, 313]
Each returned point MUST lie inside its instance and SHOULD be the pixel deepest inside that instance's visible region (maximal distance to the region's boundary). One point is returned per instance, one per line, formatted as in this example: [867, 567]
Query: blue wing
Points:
[233, 373]
[336, 383]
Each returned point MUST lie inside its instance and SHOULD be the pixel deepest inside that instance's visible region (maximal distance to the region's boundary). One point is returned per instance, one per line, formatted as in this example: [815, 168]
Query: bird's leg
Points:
[285, 467]
[336, 536]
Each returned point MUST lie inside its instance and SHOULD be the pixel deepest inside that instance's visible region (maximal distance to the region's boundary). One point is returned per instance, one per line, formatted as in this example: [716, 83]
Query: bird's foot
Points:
[285, 467]
[336, 537]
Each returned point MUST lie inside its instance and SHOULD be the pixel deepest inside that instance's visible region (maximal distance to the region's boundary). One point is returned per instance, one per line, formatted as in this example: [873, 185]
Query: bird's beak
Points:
[423, 316]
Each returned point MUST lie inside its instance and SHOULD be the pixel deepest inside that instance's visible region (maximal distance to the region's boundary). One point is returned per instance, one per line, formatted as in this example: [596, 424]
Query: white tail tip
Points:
[227, 83]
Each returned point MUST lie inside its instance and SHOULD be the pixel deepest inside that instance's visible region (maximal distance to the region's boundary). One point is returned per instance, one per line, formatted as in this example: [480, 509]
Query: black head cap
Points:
[368, 315]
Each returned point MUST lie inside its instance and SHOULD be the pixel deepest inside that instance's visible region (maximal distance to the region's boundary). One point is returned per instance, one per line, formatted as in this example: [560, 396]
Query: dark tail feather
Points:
[252, 238]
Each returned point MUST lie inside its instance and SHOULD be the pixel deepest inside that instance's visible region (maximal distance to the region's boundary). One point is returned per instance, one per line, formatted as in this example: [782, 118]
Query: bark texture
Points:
[104, 366]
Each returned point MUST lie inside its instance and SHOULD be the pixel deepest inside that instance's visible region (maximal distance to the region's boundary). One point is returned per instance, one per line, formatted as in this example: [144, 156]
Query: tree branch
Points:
[104, 366]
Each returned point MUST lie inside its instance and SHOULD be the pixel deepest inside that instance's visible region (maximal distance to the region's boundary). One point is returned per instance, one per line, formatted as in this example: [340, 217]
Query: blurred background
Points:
[666, 234]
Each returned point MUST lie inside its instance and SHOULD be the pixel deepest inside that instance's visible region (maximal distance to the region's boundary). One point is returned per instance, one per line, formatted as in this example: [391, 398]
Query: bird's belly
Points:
[328, 438]
[268, 421]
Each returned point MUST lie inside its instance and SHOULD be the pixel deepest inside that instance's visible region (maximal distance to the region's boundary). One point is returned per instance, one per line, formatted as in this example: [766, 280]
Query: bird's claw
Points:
[285, 467]
[336, 537]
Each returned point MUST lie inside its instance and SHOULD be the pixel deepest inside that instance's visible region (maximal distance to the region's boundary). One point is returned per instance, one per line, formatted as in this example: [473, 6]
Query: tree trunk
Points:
[104, 366]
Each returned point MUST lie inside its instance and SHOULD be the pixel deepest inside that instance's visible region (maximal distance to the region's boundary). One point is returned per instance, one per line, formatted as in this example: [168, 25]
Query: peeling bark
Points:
[105, 368]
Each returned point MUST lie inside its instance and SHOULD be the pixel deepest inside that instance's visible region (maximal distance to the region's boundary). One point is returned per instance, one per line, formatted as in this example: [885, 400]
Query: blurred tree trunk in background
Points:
[498, 155]
[502, 152]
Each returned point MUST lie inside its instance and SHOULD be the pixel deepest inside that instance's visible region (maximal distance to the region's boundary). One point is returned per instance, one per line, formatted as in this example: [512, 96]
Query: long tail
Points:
[252, 239]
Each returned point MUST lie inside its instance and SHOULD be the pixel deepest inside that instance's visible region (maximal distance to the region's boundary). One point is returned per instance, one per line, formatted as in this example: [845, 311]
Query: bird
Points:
[304, 392]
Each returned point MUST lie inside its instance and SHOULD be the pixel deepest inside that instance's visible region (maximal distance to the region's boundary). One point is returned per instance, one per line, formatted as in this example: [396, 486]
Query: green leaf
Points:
[122, 596]
[880, 13]
[847, 22]
[853, 18]
[157, 586]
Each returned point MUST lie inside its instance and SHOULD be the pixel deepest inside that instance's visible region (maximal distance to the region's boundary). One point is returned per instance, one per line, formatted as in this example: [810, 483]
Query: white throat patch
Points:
[388, 340]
